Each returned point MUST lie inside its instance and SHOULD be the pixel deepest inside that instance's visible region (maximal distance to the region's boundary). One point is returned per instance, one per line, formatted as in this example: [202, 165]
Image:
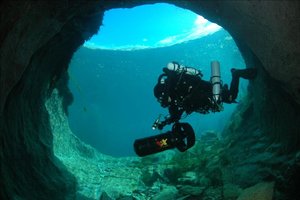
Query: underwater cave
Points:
[112, 76]
[257, 158]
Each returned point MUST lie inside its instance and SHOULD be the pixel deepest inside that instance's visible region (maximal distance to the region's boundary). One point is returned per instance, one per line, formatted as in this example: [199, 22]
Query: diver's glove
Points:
[159, 124]
[181, 137]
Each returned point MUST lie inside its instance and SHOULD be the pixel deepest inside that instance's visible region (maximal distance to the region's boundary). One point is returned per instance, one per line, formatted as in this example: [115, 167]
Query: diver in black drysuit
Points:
[181, 92]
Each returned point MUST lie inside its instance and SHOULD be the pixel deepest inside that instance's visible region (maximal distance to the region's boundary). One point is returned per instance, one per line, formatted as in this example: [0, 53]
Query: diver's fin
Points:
[249, 73]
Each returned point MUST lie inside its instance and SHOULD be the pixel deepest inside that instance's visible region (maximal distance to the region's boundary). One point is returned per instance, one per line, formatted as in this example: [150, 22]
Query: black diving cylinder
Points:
[155, 144]
[182, 137]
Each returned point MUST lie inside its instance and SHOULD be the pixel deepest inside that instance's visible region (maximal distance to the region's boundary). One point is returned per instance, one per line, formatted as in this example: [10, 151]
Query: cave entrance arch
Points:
[50, 36]
[113, 85]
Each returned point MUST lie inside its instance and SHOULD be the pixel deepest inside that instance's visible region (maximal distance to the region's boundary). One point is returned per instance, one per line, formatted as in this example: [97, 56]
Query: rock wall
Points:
[37, 40]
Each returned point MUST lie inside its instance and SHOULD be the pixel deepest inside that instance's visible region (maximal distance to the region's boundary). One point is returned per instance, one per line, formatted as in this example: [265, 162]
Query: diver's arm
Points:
[175, 115]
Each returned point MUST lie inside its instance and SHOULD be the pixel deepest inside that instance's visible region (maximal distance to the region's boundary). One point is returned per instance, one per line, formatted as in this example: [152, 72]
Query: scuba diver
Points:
[181, 89]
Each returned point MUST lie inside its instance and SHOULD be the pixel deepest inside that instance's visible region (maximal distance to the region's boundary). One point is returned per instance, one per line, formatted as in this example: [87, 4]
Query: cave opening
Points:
[113, 74]
[37, 42]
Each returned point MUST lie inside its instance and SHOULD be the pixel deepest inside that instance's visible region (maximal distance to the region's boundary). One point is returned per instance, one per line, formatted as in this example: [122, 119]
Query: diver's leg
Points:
[234, 86]
[248, 73]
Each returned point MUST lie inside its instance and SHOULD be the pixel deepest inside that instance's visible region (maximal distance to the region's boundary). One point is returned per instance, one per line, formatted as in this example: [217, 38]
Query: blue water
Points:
[154, 25]
[113, 90]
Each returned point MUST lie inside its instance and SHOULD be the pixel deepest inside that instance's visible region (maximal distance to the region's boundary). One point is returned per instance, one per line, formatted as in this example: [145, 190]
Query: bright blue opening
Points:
[149, 26]
[113, 90]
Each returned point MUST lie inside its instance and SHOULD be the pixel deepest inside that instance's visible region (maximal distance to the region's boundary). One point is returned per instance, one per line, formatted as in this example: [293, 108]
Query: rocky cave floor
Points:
[205, 172]
[242, 165]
